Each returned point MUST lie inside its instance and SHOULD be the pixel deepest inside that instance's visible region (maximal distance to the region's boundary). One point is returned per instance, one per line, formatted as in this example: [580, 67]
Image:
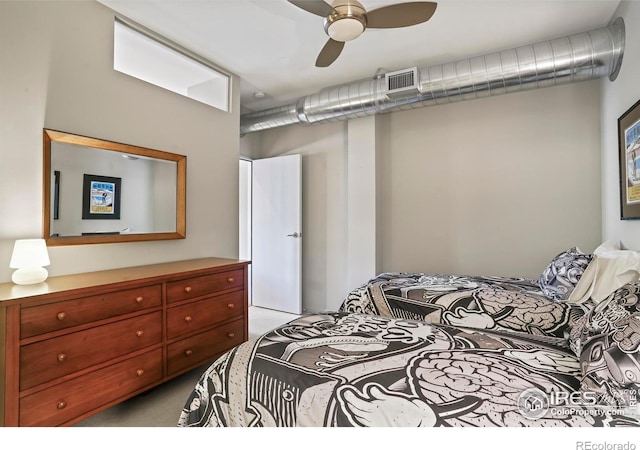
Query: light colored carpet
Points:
[161, 406]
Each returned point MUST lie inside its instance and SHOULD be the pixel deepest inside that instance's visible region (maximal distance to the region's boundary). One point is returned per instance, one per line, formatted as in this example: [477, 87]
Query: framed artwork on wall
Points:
[629, 161]
[101, 197]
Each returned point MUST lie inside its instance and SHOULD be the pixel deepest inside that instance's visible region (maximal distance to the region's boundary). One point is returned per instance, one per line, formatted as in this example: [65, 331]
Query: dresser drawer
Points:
[204, 285]
[56, 316]
[47, 360]
[64, 402]
[198, 315]
[204, 346]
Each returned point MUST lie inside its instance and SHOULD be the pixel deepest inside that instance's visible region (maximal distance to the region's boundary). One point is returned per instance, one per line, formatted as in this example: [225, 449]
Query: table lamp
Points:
[29, 256]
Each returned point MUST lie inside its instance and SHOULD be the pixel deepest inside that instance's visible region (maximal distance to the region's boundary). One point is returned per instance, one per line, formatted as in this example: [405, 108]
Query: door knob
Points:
[295, 235]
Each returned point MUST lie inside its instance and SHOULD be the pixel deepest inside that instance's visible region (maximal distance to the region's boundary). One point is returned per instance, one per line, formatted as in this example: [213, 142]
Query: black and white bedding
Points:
[417, 349]
[347, 369]
[492, 303]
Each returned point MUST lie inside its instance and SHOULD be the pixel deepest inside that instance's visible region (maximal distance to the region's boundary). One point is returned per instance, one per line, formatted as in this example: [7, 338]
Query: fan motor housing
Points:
[347, 22]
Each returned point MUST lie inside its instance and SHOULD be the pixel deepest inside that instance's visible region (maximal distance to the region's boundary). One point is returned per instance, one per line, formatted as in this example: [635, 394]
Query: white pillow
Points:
[609, 270]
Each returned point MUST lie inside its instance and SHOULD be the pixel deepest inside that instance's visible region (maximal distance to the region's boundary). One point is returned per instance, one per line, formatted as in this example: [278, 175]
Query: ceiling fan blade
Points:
[400, 15]
[329, 53]
[317, 7]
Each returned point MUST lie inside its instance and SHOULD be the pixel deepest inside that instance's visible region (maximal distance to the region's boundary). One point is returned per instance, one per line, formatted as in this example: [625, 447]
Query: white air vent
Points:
[401, 82]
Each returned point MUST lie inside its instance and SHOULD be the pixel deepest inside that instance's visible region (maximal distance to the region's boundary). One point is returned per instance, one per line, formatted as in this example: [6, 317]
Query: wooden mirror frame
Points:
[50, 136]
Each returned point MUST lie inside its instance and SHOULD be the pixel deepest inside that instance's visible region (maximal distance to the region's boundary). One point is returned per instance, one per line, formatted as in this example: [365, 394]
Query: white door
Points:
[276, 256]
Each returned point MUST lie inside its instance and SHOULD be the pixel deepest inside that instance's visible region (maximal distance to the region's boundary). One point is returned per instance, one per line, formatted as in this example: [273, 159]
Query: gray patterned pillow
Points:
[563, 273]
[607, 341]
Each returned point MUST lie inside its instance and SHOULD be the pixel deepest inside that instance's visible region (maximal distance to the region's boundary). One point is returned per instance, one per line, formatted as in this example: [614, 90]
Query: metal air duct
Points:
[578, 57]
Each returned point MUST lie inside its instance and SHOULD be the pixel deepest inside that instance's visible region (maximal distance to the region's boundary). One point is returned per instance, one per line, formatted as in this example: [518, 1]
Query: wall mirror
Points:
[98, 191]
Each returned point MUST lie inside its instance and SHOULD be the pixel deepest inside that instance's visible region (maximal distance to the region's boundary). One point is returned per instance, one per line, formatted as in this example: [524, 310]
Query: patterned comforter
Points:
[352, 369]
[515, 305]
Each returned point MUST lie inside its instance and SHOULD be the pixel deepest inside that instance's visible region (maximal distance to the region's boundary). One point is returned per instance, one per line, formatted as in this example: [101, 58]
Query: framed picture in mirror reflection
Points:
[56, 194]
[101, 197]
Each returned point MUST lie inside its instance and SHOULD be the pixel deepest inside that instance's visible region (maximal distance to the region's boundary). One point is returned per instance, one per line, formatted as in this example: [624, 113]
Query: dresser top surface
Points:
[64, 283]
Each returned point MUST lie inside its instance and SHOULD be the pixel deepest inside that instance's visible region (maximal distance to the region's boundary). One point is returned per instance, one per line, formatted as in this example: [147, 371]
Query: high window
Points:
[156, 61]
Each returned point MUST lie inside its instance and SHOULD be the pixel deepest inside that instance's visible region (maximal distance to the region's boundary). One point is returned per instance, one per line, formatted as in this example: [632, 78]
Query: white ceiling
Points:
[272, 45]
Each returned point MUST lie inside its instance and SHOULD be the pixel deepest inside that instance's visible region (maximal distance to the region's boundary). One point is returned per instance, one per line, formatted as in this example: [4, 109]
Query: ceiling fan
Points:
[345, 20]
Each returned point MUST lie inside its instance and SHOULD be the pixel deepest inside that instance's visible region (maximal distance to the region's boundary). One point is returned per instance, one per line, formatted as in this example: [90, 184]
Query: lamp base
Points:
[29, 275]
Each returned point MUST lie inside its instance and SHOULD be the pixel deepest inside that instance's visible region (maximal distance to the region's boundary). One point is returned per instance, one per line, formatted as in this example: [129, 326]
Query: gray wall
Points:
[57, 73]
[617, 97]
[494, 186]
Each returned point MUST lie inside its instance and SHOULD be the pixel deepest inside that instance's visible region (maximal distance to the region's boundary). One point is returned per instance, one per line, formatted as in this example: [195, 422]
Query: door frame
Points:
[249, 223]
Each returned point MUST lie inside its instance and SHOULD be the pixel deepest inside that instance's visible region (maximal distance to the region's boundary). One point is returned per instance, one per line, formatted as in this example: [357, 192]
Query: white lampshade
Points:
[29, 256]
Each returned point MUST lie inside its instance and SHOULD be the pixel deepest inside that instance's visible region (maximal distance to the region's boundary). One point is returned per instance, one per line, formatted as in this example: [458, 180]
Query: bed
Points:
[436, 350]
[515, 305]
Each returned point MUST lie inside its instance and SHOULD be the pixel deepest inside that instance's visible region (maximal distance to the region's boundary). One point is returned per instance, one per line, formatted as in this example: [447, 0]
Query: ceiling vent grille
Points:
[401, 82]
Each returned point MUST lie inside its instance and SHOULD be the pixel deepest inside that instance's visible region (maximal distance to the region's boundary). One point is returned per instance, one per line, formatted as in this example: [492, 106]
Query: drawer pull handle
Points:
[231, 335]
[139, 372]
[187, 289]
[139, 299]
[61, 404]
[61, 357]
[188, 319]
[188, 352]
[61, 315]
[231, 306]
[139, 333]
[230, 279]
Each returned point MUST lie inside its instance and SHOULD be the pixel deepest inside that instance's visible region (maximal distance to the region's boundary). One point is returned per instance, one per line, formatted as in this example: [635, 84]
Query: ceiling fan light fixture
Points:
[347, 22]
[345, 29]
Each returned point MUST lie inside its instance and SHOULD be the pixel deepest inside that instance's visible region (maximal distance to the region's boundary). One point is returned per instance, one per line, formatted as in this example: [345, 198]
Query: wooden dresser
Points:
[77, 344]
